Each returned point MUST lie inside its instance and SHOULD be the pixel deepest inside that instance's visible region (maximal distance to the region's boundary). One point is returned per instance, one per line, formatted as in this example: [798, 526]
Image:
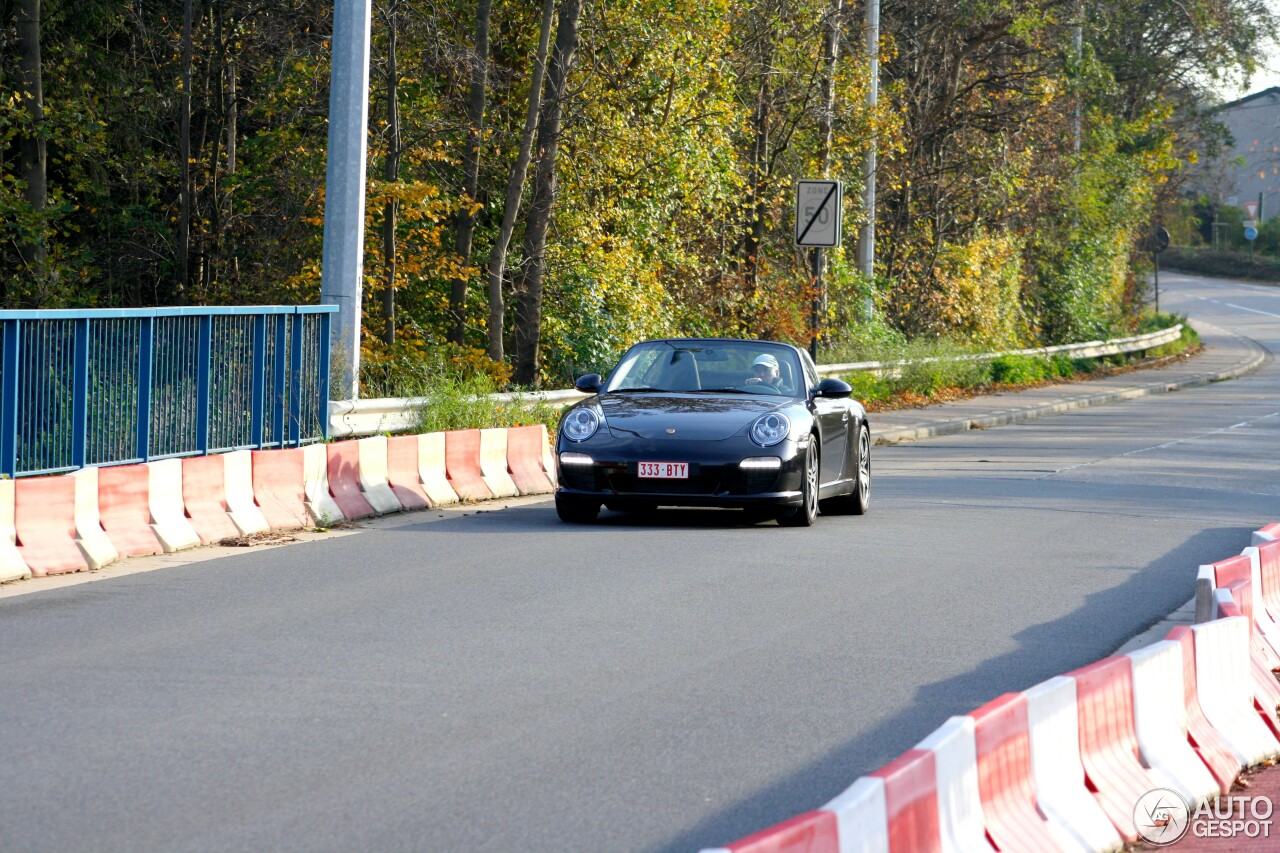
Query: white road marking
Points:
[1238, 307]
[1166, 444]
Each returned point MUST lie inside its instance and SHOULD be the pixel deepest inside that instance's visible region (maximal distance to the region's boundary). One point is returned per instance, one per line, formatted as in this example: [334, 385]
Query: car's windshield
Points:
[751, 367]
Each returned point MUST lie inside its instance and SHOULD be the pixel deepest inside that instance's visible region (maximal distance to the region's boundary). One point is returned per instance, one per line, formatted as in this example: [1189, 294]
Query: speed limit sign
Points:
[818, 213]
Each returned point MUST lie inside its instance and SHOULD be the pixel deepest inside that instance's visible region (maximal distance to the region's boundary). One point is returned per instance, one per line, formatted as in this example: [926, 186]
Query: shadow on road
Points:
[936, 702]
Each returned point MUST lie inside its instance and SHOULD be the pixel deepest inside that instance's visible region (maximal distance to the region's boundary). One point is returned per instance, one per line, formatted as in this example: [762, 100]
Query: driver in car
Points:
[765, 370]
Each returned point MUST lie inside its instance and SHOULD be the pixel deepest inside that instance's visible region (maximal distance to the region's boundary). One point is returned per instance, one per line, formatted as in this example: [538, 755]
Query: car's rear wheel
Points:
[576, 509]
[857, 502]
[807, 513]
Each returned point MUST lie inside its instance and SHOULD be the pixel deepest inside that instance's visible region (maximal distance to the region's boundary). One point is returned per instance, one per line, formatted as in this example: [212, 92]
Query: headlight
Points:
[769, 429]
[580, 424]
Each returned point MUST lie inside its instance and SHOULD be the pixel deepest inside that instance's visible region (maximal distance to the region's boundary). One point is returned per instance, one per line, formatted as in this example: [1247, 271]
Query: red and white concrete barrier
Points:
[493, 463]
[97, 548]
[959, 803]
[1225, 689]
[85, 520]
[1160, 717]
[372, 453]
[1061, 789]
[164, 499]
[432, 471]
[237, 474]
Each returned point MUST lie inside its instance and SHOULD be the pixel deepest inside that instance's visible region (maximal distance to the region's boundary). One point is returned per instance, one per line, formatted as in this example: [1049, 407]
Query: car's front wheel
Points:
[575, 509]
[807, 513]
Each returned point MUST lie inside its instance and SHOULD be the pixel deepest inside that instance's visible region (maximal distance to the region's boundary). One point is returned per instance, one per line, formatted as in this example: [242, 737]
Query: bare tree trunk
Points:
[466, 218]
[496, 268]
[32, 147]
[529, 313]
[184, 158]
[759, 177]
[391, 173]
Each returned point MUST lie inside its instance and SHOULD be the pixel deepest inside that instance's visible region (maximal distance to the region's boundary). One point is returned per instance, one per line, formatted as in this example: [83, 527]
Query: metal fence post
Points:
[322, 406]
[295, 379]
[257, 419]
[9, 403]
[204, 343]
[80, 394]
[282, 393]
[145, 335]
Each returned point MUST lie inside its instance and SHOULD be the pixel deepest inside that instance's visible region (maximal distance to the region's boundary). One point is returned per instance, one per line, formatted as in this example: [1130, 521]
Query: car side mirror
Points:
[835, 388]
[589, 384]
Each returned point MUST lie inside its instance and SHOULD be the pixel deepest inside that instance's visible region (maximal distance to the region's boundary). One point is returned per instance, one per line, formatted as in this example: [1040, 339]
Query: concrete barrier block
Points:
[315, 483]
[1269, 533]
[98, 550]
[237, 471]
[911, 801]
[862, 824]
[124, 505]
[462, 464]
[344, 479]
[431, 469]
[204, 495]
[45, 523]
[1160, 720]
[526, 457]
[493, 463]
[402, 472]
[1209, 746]
[1061, 789]
[278, 488]
[12, 567]
[168, 513]
[372, 471]
[1225, 689]
[1005, 782]
[960, 821]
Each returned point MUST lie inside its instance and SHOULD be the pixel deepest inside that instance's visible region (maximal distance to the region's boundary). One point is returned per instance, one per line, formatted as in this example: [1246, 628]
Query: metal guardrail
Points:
[396, 414]
[112, 386]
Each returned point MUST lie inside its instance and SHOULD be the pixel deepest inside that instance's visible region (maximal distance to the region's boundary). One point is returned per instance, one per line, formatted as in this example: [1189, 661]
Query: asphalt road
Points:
[504, 682]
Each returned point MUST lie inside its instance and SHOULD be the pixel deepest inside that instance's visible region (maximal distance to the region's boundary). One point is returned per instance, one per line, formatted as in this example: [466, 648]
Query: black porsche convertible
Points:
[714, 422]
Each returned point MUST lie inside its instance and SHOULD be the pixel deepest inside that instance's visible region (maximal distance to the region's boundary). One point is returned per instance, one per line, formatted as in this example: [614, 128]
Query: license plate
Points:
[664, 470]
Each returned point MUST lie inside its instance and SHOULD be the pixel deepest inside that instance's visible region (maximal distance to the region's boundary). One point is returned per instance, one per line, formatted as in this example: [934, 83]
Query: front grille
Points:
[701, 484]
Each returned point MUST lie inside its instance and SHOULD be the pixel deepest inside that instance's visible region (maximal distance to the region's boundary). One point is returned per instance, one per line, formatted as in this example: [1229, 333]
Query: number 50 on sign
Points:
[818, 213]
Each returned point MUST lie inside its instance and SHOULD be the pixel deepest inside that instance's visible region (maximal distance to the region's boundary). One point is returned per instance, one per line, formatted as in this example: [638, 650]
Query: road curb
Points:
[1259, 357]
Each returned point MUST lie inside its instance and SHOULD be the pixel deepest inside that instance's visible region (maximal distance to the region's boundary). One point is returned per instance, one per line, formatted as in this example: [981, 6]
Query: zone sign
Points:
[818, 213]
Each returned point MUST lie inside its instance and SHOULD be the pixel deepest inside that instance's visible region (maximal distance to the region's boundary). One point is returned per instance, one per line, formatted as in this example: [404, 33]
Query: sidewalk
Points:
[1225, 356]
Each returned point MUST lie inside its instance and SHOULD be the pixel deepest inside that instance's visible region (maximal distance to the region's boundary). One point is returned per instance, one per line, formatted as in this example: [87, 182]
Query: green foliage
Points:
[686, 126]
[457, 391]
[1222, 264]
[1021, 369]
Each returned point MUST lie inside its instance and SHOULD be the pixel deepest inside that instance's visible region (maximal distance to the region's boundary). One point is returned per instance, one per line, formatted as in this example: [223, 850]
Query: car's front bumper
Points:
[716, 477]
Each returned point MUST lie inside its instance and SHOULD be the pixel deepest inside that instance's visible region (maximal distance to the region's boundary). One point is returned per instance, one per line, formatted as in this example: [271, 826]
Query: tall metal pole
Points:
[867, 234]
[343, 265]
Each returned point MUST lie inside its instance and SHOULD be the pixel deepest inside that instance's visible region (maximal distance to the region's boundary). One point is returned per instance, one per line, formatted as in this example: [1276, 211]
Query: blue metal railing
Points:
[111, 386]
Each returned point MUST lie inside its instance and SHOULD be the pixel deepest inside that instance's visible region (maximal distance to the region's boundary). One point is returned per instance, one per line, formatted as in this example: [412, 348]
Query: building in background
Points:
[1250, 167]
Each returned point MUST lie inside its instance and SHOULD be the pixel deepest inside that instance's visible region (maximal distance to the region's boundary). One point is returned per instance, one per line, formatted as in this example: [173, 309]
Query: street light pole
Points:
[342, 267]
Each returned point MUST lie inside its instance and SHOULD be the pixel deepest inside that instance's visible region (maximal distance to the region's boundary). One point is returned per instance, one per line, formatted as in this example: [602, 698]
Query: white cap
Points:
[766, 359]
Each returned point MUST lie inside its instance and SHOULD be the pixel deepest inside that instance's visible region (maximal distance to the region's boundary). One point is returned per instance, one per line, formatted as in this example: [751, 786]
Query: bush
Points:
[1020, 369]
[1222, 264]
[456, 383]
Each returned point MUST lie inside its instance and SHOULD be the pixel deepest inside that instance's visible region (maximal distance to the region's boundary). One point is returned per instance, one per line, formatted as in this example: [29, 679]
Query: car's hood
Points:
[683, 417]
